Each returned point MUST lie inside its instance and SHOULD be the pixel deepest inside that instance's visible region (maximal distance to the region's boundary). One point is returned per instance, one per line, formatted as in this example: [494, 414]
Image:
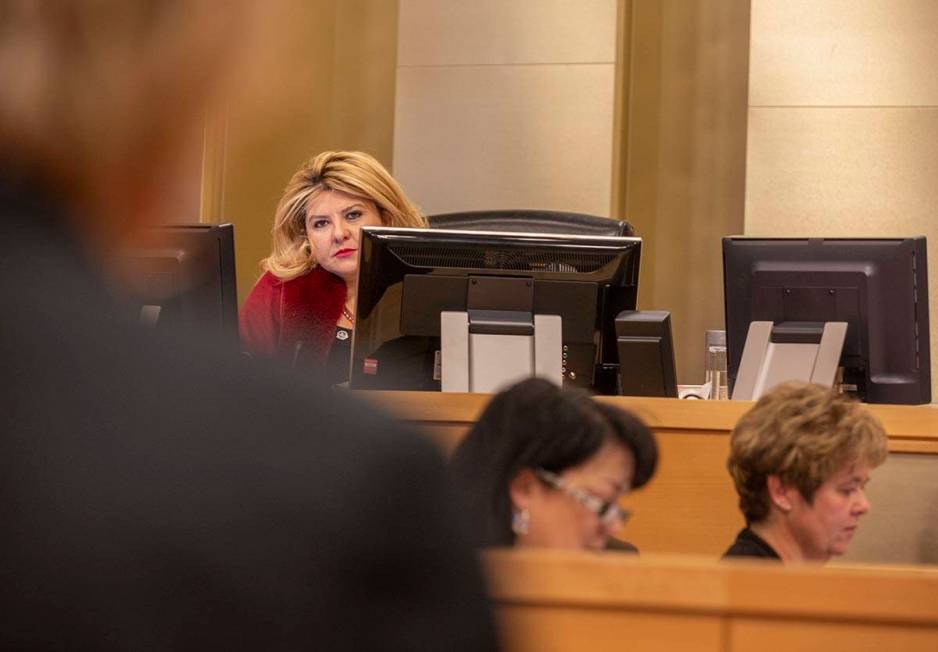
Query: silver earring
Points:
[520, 521]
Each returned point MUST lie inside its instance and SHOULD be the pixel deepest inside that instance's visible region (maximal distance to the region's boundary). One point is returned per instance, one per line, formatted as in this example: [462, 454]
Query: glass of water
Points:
[715, 365]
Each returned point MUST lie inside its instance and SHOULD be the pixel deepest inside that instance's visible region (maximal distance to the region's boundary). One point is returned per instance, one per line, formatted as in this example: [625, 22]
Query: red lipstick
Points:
[344, 253]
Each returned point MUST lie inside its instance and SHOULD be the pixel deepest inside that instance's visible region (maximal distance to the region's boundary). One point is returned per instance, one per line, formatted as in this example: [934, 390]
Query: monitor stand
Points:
[773, 354]
[486, 350]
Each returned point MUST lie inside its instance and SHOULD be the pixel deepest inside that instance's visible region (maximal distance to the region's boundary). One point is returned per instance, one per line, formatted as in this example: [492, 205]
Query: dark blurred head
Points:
[592, 454]
[100, 96]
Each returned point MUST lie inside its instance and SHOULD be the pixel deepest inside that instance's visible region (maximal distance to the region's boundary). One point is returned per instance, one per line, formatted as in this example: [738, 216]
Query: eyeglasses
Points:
[609, 512]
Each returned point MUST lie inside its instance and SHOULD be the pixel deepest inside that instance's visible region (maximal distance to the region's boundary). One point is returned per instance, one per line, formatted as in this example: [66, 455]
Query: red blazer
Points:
[293, 319]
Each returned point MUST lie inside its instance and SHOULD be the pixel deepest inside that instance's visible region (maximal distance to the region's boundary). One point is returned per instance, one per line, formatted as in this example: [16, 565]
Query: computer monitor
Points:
[878, 286]
[182, 276]
[408, 277]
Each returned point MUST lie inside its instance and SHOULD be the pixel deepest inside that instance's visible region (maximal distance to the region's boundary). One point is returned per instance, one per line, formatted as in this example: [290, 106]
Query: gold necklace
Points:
[348, 315]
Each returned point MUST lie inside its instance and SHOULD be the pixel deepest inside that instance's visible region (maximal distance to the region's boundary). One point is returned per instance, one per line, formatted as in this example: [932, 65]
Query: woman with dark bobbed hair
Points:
[546, 467]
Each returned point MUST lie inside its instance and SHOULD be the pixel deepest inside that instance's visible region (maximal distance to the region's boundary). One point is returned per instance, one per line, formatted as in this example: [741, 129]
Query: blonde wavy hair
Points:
[354, 173]
[803, 434]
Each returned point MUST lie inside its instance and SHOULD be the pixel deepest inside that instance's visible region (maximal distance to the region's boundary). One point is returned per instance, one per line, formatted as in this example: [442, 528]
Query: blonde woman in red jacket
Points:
[302, 308]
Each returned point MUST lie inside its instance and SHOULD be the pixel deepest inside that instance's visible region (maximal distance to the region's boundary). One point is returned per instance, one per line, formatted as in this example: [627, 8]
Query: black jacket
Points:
[750, 544]
[158, 495]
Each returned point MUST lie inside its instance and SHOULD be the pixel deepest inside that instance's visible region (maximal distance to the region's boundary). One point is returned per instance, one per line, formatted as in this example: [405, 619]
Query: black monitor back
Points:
[408, 276]
[182, 276]
[879, 286]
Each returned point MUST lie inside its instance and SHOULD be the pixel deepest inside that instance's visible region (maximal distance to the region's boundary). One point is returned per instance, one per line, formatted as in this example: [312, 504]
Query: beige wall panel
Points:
[846, 172]
[842, 171]
[456, 32]
[844, 52]
[364, 77]
[327, 83]
[282, 115]
[481, 137]
[902, 526]
[686, 152]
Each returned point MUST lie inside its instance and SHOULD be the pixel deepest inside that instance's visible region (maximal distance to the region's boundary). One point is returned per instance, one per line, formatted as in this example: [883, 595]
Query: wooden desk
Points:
[446, 417]
[551, 601]
[690, 505]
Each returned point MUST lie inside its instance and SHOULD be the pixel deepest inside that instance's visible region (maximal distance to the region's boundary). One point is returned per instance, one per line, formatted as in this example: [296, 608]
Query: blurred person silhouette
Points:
[800, 460]
[158, 494]
[545, 467]
[303, 306]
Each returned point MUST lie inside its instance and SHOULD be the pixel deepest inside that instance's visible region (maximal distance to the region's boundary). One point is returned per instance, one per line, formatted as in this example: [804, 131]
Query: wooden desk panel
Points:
[690, 505]
[547, 628]
[552, 601]
[911, 429]
[782, 636]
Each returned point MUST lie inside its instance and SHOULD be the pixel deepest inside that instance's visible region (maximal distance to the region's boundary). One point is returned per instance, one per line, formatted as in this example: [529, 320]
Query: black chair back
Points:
[531, 221]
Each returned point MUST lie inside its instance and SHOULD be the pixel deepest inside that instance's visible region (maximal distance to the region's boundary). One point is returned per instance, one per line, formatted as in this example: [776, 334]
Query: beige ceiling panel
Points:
[843, 53]
[460, 32]
[469, 138]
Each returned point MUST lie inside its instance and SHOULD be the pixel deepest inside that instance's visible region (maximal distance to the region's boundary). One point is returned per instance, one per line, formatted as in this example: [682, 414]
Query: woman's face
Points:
[557, 520]
[826, 526]
[333, 226]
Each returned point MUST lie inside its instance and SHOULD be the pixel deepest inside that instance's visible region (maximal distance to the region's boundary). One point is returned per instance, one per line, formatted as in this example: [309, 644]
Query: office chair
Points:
[531, 221]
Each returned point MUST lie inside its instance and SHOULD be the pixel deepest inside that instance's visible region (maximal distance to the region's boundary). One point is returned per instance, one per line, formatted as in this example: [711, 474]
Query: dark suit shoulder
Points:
[158, 476]
[750, 544]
